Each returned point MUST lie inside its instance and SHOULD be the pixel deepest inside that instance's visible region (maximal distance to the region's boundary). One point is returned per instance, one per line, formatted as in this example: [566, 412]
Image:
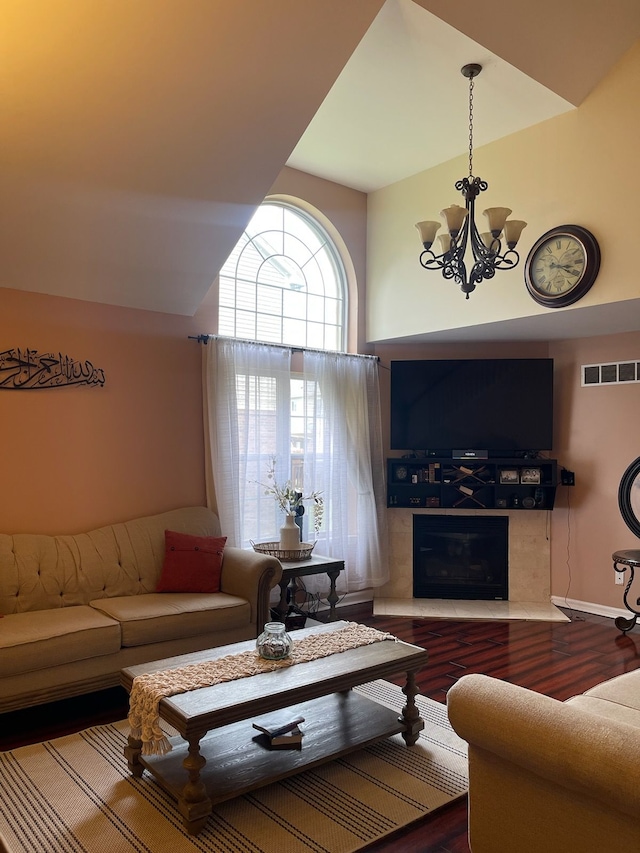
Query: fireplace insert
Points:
[462, 557]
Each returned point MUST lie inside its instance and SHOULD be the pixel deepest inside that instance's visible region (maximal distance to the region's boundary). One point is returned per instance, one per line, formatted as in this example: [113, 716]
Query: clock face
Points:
[558, 265]
[562, 266]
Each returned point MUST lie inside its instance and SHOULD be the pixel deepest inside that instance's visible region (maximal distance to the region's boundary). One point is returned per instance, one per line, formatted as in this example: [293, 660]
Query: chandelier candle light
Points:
[486, 247]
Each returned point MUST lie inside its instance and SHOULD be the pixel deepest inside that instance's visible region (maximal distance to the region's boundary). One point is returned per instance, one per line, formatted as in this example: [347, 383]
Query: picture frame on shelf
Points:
[509, 476]
[530, 476]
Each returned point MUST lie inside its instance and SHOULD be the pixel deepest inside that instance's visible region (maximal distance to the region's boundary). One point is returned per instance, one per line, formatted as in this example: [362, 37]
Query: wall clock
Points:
[562, 265]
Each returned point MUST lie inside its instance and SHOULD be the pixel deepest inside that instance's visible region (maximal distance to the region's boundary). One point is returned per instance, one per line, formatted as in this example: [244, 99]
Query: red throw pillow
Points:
[191, 563]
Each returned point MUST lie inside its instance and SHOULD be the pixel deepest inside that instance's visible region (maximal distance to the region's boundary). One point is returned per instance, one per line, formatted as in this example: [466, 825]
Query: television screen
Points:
[499, 405]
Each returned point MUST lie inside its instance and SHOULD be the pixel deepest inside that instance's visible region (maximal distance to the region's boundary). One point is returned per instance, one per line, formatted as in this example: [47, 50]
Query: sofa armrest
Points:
[569, 747]
[250, 575]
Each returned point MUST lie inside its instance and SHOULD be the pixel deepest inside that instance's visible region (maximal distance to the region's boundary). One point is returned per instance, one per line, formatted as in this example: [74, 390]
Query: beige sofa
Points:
[551, 776]
[77, 609]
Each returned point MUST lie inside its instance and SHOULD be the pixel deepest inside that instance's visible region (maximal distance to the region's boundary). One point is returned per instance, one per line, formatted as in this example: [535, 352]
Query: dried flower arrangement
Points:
[289, 499]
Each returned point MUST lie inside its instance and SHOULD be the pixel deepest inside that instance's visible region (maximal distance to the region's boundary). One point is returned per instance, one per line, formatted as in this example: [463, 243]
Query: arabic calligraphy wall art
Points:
[28, 370]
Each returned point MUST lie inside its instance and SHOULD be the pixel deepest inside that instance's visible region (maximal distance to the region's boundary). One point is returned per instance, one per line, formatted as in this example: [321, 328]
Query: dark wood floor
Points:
[559, 659]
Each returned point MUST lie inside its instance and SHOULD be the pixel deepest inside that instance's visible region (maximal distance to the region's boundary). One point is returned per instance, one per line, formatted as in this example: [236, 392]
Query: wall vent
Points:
[611, 373]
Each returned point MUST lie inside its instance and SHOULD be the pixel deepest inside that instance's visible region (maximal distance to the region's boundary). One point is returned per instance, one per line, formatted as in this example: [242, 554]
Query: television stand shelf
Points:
[445, 483]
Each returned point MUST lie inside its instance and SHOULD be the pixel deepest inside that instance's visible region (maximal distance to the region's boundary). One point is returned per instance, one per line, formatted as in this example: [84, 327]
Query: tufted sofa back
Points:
[43, 572]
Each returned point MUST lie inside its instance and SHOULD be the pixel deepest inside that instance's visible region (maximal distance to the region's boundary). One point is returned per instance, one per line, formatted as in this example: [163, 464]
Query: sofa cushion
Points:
[191, 563]
[605, 708]
[623, 690]
[159, 616]
[617, 699]
[36, 640]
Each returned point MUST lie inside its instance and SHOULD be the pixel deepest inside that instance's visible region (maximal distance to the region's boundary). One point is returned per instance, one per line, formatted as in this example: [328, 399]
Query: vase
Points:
[274, 643]
[290, 534]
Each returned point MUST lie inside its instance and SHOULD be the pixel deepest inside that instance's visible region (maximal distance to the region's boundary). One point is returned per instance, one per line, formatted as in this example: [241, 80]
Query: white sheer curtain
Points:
[345, 453]
[247, 412]
[247, 402]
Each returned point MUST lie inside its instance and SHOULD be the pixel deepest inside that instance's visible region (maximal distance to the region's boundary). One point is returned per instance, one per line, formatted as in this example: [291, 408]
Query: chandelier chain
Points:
[471, 126]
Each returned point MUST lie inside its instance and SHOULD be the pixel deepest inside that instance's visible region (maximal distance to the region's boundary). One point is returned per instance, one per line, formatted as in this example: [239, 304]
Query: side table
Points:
[623, 560]
[314, 565]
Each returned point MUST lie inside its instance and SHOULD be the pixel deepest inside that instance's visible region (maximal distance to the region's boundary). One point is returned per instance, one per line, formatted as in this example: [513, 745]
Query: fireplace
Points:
[461, 557]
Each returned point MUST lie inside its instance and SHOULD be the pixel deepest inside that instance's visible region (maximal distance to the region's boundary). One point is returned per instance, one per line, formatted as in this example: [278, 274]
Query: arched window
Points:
[284, 282]
[283, 289]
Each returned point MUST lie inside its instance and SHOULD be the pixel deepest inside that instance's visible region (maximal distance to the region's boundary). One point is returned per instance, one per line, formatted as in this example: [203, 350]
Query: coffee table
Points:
[219, 755]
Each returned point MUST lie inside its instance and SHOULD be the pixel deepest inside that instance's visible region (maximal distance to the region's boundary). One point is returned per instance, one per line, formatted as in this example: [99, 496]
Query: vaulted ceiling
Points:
[138, 137]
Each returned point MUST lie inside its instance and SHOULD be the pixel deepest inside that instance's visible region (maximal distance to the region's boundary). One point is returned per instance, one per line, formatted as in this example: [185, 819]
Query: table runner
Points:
[148, 689]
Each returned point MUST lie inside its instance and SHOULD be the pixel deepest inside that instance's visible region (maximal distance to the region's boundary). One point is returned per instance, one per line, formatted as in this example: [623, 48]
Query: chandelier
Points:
[486, 247]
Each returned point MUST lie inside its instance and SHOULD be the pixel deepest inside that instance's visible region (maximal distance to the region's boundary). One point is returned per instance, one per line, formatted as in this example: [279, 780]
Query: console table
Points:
[623, 560]
[314, 565]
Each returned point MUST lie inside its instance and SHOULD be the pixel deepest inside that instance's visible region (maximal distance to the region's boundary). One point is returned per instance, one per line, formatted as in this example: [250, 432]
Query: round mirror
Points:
[629, 497]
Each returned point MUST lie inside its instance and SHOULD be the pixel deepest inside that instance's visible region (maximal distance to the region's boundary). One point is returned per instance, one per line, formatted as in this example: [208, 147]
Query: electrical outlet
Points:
[619, 577]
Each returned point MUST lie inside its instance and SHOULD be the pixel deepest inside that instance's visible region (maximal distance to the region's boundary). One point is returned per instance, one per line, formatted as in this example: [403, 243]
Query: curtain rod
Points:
[204, 339]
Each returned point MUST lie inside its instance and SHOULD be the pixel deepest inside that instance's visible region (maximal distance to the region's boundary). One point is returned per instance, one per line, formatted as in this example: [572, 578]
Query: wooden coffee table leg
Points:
[193, 803]
[132, 754]
[410, 715]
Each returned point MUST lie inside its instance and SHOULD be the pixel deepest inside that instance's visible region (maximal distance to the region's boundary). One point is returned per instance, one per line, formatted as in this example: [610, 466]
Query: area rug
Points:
[75, 793]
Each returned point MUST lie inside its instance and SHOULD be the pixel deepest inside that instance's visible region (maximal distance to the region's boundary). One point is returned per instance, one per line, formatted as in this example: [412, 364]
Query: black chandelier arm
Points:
[483, 268]
[480, 251]
[491, 257]
[430, 261]
[455, 268]
[509, 260]
[451, 263]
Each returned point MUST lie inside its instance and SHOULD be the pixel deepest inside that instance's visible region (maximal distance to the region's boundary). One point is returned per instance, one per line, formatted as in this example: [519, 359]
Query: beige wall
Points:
[597, 436]
[74, 458]
[580, 168]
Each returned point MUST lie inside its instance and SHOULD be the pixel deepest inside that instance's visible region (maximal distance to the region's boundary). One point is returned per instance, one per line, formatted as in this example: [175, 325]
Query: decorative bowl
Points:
[285, 555]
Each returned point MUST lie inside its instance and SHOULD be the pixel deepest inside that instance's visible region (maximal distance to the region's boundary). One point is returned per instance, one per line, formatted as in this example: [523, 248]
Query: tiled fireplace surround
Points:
[529, 552]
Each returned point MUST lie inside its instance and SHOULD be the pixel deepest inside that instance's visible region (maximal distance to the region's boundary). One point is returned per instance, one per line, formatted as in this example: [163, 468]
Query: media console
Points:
[472, 483]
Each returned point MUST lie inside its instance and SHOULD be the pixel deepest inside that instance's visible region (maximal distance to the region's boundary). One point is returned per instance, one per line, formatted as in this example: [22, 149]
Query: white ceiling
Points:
[137, 138]
[400, 104]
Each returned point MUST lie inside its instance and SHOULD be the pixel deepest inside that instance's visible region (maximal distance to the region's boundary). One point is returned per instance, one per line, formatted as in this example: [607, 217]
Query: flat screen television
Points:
[504, 406]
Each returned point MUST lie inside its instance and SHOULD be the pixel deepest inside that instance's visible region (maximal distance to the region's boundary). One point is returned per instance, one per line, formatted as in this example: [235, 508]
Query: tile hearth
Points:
[440, 608]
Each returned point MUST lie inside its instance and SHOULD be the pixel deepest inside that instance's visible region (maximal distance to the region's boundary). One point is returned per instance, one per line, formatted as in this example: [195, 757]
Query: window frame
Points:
[331, 250]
